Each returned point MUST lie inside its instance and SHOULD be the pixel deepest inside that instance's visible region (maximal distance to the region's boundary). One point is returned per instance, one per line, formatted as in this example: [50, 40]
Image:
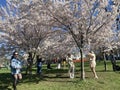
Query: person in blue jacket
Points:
[39, 64]
[16, 66]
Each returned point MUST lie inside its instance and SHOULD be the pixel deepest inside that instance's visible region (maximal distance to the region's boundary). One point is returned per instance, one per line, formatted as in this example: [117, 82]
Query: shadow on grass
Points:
[5, 81]
[6, 78]
[58, 75]
[53, 71]
[52, 75]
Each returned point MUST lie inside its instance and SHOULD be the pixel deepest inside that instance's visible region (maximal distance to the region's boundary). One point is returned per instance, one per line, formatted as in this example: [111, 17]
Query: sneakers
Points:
[71, 75]
[96, 77]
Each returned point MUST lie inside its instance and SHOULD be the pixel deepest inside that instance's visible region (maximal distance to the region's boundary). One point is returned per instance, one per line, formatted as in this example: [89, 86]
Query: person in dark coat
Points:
[29, 64]
[113, 61]
[39, 64]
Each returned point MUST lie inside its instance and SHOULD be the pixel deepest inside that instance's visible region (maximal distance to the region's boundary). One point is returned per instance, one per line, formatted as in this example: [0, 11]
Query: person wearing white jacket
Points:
[16, 66]
[71, 71]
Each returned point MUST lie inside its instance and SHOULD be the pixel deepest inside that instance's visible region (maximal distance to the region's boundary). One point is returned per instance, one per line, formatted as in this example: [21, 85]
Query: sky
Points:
[2, 2]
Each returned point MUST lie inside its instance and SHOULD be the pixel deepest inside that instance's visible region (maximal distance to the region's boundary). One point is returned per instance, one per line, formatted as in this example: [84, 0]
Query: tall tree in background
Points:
[29, 28]
[82, 19]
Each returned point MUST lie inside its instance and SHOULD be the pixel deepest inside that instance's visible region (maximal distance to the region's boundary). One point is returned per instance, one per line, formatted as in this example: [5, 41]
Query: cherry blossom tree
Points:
[30, 28]
[83, 19]
[88, 23]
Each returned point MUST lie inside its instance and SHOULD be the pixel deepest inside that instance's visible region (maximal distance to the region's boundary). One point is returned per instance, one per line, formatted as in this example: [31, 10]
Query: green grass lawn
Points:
[55, 79]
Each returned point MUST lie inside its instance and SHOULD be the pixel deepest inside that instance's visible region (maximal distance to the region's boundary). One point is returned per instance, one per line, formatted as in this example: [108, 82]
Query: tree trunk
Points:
[82, 65]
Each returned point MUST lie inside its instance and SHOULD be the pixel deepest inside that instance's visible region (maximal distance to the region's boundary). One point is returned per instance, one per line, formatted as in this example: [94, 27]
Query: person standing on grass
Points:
[71, 71]
[113, 61]
[92, 60]
[39, 64]
[16, 65]
[64, 62]
[29, 64]
[59, 63]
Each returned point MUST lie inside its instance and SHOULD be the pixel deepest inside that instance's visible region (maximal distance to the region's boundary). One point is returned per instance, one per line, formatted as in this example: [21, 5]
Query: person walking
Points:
[71, 71]
[92, 61]
[16, 65]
